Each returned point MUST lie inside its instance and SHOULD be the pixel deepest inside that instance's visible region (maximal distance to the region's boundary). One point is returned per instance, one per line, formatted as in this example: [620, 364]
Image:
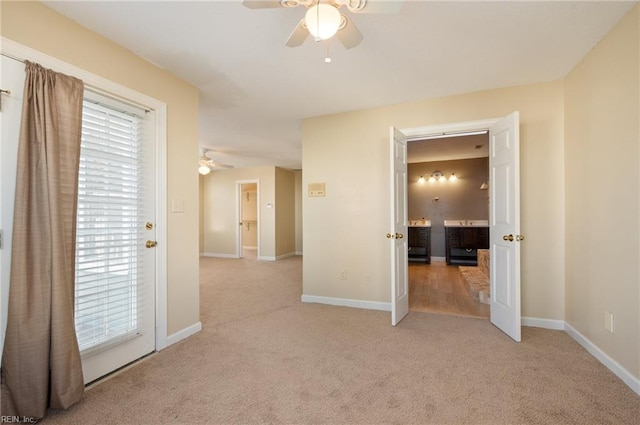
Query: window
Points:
[109, 230]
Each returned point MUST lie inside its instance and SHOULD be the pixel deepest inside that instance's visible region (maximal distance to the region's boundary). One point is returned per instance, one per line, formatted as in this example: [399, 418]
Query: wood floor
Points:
[439, 288]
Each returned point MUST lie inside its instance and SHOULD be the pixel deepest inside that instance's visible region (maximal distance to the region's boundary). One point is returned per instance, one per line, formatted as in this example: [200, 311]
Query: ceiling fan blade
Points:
[217, 164]
[261, 4]
[376, 6]
[298, 36]
[349, 36]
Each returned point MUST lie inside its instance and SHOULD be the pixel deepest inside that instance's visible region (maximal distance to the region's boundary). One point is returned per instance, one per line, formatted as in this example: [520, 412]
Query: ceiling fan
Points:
[323, 19]
[206, 163]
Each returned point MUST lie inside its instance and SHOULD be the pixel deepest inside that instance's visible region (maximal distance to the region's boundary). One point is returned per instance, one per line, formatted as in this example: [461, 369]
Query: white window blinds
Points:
[109, 231]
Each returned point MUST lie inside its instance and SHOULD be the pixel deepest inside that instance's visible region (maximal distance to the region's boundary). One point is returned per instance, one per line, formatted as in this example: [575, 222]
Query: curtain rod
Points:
[87, 86]
[15, 58]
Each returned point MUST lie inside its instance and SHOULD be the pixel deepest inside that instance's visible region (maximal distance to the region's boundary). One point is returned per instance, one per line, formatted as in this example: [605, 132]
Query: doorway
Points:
[248, 245]
[112, 331]
[447, 182]
[504, 222]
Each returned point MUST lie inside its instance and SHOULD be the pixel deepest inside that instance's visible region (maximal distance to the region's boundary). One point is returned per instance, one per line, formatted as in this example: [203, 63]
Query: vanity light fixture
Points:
[438, 176]
[421, 180]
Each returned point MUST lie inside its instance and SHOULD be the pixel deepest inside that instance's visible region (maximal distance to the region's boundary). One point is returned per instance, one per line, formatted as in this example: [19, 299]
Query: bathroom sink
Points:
[466, 223]
[419, 223]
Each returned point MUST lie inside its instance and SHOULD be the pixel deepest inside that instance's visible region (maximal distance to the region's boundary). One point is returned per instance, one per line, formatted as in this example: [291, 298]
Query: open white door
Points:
[504, 165]
[399, 271]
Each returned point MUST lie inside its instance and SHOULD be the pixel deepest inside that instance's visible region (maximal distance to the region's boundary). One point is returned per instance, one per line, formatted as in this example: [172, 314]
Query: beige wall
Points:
[350, 153]
[602, 142]
[220, 210]
[36, 26]
[285, 212]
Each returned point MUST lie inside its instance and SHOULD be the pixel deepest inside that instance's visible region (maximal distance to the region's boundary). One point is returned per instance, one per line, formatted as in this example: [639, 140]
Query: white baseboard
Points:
[250, 247]
[298, 252]
[215, 255]
[611, 364]
[345, 302]
[185, 333]
[287, 255]
[438, 259]
[535, 322]
[266, 258]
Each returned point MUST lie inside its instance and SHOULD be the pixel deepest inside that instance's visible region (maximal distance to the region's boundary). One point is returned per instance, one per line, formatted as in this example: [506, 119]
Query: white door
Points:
[115, 240]
[399, 244]
[12, 80]
[504, 165]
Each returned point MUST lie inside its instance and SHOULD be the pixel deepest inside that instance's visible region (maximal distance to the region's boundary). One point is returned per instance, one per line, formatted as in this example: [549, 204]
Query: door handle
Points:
[391, 236]
[508, 238]
[399, 236]
[151, 244]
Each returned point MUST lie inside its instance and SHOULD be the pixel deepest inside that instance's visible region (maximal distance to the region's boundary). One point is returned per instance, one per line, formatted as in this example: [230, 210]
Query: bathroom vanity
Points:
[463, 238]
[419, 241]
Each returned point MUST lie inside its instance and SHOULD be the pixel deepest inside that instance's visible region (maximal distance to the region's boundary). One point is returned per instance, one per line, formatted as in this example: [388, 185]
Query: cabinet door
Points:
[468, 237]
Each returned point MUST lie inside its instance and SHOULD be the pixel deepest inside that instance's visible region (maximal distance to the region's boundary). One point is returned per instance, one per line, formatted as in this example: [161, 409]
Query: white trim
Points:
[344, 302]
[418, 133]
[266, 258]
[251, 248]
[604, 358]
[438, 259]
[535, 322]
[216, 255]
[185, 333]
[298, 252]
[109, 87]
[287, 255]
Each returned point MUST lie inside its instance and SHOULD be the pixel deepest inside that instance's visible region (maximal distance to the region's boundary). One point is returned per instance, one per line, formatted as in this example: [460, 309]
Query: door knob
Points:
[399, 236]
[508, 238]
[390, 236]
[519, 238]
[151, 244]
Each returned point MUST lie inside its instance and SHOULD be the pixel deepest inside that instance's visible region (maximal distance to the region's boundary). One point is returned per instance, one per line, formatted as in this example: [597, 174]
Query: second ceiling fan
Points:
[323, 19]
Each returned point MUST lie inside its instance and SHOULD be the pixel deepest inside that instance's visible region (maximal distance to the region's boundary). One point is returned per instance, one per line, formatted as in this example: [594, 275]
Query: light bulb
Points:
[453, 177]
[323, 21]
[204, 170]
[421, 180]
[432, 179]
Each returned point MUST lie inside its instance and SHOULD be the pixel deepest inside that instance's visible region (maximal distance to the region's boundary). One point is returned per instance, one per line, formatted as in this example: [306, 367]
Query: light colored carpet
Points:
[264, 357]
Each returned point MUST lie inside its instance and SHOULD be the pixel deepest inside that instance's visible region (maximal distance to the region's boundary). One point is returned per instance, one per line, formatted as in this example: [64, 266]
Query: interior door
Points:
[12, 80]
[504, 165]
[398, 234]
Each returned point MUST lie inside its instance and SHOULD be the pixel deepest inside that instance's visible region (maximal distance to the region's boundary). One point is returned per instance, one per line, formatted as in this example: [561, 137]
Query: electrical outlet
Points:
[608, 321]
[343, 275]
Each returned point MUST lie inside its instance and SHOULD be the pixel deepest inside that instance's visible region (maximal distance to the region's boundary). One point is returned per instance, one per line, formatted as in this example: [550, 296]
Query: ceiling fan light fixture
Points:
[323, 21]
[204, 170]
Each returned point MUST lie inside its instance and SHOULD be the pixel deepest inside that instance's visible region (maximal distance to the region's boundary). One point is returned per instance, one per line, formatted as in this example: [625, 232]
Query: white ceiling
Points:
[254, 91]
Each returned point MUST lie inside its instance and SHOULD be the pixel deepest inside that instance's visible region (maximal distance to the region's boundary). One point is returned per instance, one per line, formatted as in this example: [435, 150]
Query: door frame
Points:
[239, 184]
[418, 133]
[102, 85]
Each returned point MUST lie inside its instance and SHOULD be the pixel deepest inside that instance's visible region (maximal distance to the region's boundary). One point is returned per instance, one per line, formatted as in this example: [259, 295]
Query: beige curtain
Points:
[41, 362]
